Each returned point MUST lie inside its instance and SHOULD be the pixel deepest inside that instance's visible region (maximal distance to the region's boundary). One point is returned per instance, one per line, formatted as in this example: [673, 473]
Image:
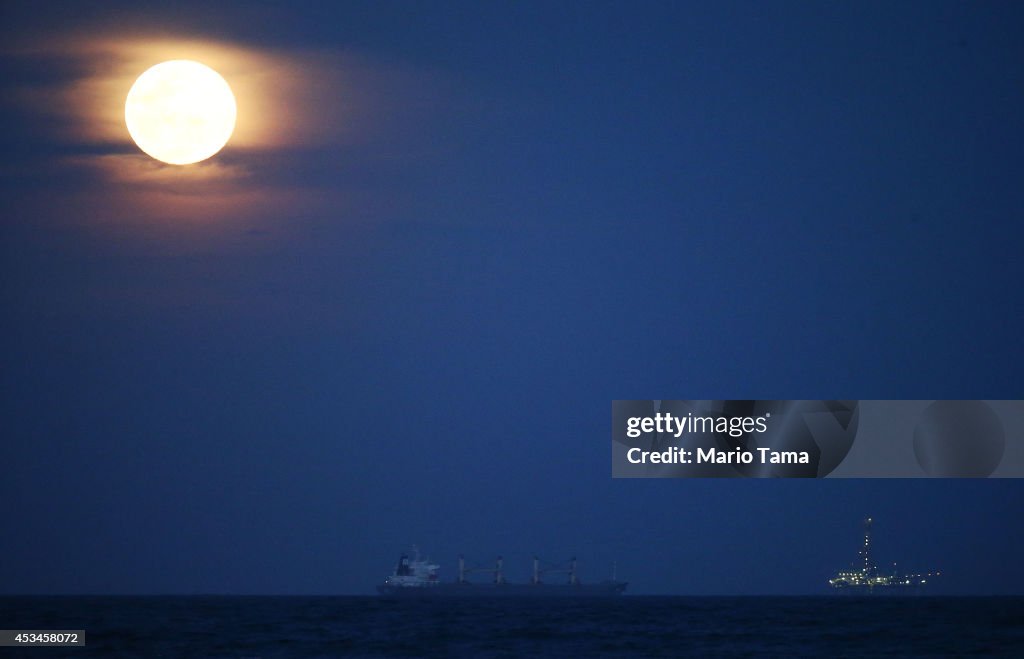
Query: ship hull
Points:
[467, 590]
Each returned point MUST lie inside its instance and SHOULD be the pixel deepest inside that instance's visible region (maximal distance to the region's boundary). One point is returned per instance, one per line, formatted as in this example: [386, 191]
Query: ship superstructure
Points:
[416, 577]
[864, 577]
[413, 573]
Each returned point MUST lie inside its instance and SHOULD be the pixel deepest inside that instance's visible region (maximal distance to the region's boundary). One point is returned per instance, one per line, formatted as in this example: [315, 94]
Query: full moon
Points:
[180, 112]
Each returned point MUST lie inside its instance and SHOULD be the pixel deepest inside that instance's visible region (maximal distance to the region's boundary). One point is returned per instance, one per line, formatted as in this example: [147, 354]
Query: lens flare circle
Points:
[180, 112]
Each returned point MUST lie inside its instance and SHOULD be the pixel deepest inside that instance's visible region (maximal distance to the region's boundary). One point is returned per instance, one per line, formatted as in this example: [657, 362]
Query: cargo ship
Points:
[864, 578]
[416, 577]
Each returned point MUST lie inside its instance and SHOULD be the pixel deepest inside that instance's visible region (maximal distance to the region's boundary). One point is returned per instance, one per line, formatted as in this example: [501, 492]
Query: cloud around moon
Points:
[285, 98]
[291, 102]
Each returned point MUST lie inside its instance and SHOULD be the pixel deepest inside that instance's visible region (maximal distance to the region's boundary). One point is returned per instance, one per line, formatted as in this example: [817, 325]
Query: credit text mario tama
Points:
[730, 438]
[817, 438]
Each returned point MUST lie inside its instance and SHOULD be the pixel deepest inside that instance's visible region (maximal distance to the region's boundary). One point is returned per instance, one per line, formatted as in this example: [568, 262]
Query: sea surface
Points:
[228, 626]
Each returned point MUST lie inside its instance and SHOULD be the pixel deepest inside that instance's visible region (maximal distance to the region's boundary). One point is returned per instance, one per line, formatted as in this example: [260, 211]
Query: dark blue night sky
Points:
[521, 212]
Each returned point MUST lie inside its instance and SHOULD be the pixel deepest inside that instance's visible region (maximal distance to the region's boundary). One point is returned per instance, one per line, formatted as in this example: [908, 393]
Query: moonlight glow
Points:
[180, 112]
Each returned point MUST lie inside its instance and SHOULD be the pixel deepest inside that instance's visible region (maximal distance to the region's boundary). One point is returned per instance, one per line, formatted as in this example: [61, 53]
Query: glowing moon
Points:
[180, 112]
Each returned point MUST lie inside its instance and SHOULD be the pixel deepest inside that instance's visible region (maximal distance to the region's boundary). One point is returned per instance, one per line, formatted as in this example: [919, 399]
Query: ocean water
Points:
[227, 626]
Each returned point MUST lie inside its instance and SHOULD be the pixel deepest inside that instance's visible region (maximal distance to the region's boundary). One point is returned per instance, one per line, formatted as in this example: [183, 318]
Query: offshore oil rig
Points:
[863, 577]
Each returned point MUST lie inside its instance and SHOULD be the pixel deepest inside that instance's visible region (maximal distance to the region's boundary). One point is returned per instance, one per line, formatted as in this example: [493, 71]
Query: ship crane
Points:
[497, 570]
[570, 570]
